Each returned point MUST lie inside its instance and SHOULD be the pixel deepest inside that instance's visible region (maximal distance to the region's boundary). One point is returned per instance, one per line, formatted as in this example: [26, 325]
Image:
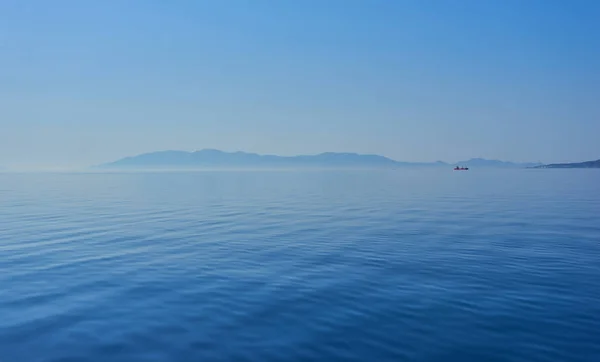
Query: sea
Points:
[300, 265]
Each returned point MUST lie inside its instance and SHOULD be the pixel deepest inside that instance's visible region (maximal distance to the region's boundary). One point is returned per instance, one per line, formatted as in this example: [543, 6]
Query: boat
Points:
[460, 168]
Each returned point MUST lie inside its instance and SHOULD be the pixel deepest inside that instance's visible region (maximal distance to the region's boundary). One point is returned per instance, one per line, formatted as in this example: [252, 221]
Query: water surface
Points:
[412, 265]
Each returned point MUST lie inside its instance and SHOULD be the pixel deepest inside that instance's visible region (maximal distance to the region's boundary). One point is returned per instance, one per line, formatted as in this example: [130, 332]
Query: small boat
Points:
[460, 168]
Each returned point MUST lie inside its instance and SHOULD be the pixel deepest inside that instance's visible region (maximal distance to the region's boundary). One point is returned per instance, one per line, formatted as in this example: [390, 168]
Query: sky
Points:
[87, 82]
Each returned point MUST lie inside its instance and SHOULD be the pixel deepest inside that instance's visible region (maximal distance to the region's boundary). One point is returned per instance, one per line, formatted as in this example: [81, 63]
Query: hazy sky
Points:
[84, 82]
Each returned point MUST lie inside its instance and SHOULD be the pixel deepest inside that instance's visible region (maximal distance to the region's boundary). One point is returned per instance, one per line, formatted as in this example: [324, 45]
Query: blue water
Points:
[415, 265]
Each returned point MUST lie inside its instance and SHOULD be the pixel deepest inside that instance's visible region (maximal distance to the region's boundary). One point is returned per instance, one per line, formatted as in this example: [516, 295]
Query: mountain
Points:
[587, 164]
[481, 163]
[209, 158]
[214, 158]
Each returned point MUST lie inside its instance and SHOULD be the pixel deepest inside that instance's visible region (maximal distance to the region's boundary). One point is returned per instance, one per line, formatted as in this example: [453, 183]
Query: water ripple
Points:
[300, 266]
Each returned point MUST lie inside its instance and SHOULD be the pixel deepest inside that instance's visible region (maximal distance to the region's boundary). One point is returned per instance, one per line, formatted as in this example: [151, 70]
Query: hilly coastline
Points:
[587, 164]
[209, 158]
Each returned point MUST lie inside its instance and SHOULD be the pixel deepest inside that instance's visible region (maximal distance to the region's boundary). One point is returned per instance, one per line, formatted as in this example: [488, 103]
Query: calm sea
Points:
[412, 265]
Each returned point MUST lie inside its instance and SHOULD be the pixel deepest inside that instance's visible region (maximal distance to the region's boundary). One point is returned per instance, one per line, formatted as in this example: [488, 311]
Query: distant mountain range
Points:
[209, 158]
[587, 164]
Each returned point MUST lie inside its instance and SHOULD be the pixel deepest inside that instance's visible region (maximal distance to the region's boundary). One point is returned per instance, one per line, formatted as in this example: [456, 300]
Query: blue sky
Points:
[84, 82]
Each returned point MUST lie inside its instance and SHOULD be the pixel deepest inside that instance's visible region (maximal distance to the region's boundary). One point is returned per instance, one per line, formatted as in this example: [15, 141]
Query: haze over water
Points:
[404, 265]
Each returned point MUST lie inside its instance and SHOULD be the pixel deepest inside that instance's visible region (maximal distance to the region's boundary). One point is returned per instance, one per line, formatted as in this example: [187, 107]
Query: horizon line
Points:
[319, 154]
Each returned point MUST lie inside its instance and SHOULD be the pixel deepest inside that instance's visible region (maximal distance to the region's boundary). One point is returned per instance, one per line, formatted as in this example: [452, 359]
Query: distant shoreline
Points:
[579, 165]
[216, 159]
